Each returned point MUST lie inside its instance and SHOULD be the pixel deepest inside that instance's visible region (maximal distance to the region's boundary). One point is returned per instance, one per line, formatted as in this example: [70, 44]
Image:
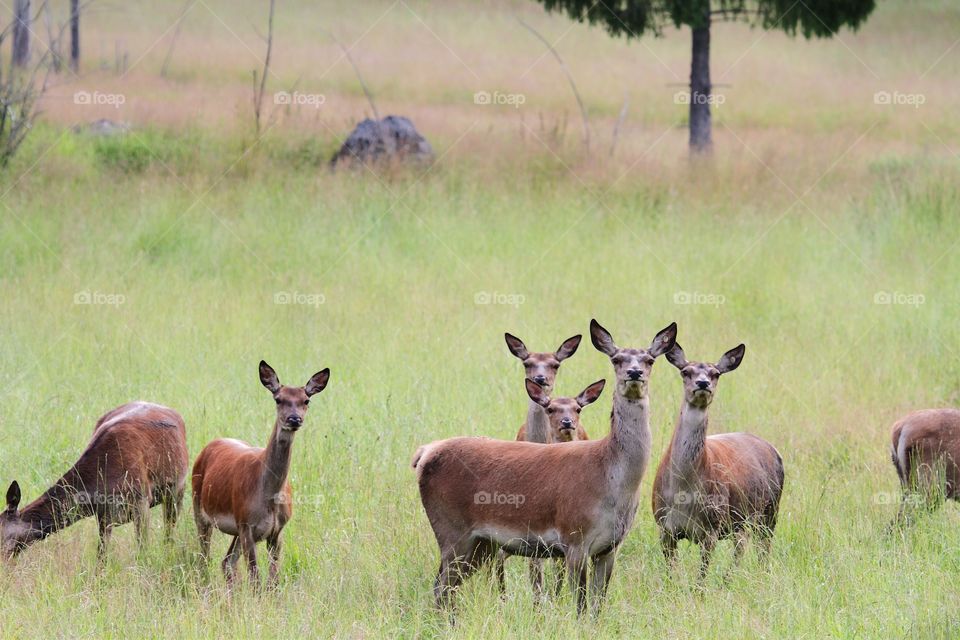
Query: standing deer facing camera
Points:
[711, 488]
[482, 494]
[243, 490]
[540, 370]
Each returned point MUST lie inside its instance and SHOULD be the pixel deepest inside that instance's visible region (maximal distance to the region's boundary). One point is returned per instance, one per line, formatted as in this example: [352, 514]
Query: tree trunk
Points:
[21, 32]
[700, 136]
[75, 35]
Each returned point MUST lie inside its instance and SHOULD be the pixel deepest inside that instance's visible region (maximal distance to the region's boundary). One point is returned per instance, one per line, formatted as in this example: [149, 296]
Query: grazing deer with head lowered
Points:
[481, 494]
[243, 490]
[926, 453]
[136, 459]
[541, 370]
[709, 488]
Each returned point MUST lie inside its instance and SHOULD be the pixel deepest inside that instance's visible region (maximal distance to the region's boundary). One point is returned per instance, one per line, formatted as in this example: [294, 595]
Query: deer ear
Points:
[268, 377]
[568, 348]
[516, 346]
[602, 339]
[591, 393]
[537, 393]
[13, 497]
[731, 359]
[664, 341]
[676, 357]
[317, 383]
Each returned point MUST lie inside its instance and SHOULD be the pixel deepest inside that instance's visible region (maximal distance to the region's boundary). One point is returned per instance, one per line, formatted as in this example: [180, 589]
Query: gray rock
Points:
[393, 138]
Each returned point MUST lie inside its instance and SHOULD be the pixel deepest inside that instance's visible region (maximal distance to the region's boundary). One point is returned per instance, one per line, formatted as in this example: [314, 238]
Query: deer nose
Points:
[294, 420]
[634, 374]
[566, 423]
[702, 384]
[540, 380]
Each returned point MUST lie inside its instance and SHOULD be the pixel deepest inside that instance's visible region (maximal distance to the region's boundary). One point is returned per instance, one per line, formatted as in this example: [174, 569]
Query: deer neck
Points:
[630, 437]
[277, 456]
[687, 446]
[58, 508]
[537, 427]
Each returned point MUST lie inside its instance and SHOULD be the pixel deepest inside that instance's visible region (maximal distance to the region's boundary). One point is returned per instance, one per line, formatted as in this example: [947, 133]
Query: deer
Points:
[925, 450]
[136, 459]
[481, 494]
[710, 488]
[243, 491]
[563, 416]
[540, 369]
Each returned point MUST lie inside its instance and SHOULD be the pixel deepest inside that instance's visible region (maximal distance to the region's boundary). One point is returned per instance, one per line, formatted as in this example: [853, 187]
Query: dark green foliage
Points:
[632, 18]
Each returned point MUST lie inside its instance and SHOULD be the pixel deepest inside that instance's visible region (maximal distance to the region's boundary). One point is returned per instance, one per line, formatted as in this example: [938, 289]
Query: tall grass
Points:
[191, 236]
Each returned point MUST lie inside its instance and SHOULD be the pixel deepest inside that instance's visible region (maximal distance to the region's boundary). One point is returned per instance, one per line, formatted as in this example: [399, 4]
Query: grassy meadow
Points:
[164, 264]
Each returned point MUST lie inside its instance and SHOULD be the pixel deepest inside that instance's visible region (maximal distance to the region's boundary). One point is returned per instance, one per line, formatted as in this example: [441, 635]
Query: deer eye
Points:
[277, 400]
[550, 410]
[616, 359]
[306, 402]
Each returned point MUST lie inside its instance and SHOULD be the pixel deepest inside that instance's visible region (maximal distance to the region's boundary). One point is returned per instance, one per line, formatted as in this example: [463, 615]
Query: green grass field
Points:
[822, 234]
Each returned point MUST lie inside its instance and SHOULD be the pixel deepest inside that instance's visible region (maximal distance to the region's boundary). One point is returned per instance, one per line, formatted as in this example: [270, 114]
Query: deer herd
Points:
[551, 494]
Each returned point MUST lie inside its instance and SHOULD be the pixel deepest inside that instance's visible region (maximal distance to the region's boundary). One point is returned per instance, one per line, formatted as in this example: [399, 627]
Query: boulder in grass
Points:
[392, 139]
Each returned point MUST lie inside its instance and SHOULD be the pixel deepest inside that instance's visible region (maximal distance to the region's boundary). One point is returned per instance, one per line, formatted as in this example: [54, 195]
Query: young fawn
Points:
[709, 488]
[243, 490]
[541, 369]
[926, 453]
[481, 494]
[136, 459]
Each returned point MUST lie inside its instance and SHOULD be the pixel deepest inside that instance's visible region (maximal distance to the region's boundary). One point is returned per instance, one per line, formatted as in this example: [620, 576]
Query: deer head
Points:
[700, 378]
[563, 414]
[542, 368]
[15, 534]
[292, 402]
[632, 366]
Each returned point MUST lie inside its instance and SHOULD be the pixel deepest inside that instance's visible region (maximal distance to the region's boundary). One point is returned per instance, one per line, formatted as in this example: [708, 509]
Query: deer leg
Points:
[105, 527]
[577, 576]
[172, 502]
[204, 530]
[141, 520]
[536, 579]
[273, 550]
[668, 544]
[559, 574]
[248, 545]
[229, 564]
[454, 569]
[602, 570]
[498, 572]
[706, 550]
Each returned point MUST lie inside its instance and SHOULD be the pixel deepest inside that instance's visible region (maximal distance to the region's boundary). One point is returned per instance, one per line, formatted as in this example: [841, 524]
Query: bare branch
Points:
[573, 85]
